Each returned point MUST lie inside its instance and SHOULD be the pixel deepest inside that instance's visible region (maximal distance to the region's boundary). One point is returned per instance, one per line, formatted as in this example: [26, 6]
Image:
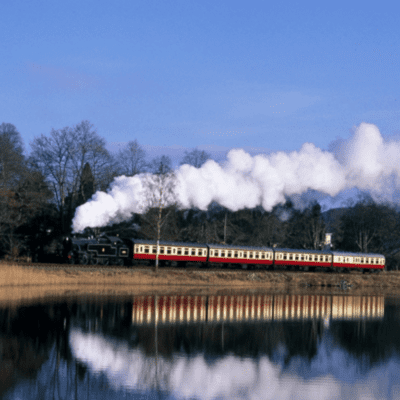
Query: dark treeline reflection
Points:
[53, 346]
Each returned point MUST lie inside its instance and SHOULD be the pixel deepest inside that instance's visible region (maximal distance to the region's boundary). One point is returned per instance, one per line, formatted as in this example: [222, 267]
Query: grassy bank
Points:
[18, 282]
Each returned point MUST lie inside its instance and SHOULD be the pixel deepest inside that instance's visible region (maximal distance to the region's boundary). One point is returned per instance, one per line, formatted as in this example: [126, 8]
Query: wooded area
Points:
[40, 192]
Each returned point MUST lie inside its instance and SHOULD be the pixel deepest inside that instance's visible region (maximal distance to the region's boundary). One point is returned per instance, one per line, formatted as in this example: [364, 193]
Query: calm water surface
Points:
[203, 347]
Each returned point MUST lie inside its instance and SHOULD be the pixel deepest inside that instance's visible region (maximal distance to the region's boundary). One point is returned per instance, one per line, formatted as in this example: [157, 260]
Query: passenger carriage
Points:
[305, 259]
[366, 261]
[229, 254]
[169, 251]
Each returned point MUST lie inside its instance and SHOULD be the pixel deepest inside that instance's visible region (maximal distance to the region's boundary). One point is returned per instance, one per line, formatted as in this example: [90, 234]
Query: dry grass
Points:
[20, 283]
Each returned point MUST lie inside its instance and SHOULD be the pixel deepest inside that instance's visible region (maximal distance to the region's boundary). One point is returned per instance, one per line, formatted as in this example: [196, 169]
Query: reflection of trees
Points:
[27, 336]
[370, 341]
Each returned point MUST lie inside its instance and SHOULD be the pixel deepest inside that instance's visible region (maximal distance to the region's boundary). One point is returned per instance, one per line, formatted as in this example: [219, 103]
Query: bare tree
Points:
[132, 159]
[369, 227]
[305, 229]
[161, 165]
[89, 148]
[61, 158]
[195, 157]
[159, 193]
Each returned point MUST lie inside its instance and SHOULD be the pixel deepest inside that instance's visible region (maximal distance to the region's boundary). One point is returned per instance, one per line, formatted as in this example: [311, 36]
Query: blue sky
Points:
[230, 74]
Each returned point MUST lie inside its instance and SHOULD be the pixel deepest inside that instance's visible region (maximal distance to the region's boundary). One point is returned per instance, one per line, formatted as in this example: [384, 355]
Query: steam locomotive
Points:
[113, 250]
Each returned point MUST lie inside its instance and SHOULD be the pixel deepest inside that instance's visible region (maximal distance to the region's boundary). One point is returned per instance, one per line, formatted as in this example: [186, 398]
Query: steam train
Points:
[113, 250]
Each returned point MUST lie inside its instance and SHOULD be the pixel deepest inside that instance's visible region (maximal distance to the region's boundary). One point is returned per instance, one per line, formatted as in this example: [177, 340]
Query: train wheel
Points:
[119, 262]
[365, 270]
[84, 259]
[94, 261]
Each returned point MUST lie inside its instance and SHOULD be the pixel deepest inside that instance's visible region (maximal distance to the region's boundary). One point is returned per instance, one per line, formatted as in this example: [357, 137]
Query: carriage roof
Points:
[302, 251]
[167, 243]
[346, 254]
[238, 247]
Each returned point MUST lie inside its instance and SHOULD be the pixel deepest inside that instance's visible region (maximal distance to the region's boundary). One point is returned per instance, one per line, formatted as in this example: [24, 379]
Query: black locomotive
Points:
[90, 249]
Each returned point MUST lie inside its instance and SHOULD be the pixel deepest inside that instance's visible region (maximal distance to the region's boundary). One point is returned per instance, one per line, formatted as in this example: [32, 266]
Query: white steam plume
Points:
[365, 162]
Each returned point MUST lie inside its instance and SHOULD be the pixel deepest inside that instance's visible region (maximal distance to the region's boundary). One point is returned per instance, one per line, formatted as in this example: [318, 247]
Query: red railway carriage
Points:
[303, 258]
[240, 254]
[171, 251]
[358, 260]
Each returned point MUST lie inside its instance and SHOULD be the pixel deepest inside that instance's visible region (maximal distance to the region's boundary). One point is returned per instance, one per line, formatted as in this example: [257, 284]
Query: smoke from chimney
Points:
[365, 161]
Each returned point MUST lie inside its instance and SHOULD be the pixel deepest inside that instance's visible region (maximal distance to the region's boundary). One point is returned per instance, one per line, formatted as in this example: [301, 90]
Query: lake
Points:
[233, 346]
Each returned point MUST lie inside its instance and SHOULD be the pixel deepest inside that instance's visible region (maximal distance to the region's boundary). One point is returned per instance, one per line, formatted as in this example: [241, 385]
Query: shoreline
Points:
[20, 283]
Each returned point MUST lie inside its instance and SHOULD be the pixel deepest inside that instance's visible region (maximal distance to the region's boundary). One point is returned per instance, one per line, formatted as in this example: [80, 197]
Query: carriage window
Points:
[296, 257]
[222, 253]
[229, 254]
[236, 254]
[179, 251]
[285, 256]
[245, 254]
[141, 249]
[302, 257]
[186, 252]
[146, 249]
[193, 252]
[263, 255]
[256, 254]
[241, 254]
[168, 250]
[154, 249]
[250, 254]
[161, 250]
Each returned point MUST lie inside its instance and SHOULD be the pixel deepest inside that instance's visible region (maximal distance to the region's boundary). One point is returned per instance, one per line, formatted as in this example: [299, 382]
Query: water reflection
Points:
[205, 347]
[186, 309]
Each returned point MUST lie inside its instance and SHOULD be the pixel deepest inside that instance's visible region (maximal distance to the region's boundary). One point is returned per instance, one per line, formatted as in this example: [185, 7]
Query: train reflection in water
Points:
[200, 309]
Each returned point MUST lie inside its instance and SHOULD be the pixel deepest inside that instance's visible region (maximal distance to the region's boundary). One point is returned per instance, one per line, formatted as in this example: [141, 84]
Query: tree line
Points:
[40, 192]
